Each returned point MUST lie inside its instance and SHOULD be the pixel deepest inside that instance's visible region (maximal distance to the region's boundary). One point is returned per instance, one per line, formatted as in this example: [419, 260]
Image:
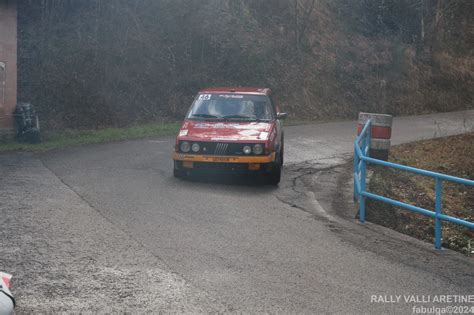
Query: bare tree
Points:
[302, 10]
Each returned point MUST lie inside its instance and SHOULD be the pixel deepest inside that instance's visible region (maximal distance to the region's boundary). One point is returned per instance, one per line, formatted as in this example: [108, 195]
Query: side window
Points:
[274, 106]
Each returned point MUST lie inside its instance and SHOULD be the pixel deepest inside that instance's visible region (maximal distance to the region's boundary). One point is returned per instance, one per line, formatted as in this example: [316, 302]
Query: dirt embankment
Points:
[451, 155]
[126, 62]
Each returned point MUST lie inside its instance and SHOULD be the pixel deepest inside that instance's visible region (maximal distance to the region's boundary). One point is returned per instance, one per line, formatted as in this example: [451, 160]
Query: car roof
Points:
[240, 90]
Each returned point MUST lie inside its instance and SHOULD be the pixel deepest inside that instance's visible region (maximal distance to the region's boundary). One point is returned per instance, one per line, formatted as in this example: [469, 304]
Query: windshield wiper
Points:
[238, 117]
[204, 116]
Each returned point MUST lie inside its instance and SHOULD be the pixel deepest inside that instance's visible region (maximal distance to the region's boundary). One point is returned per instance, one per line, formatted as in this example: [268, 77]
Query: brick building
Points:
[8, 64]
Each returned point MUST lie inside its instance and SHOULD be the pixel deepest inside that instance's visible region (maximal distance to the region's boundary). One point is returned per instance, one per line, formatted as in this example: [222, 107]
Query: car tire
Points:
[282, 152]
[177, 172]
[275, 175]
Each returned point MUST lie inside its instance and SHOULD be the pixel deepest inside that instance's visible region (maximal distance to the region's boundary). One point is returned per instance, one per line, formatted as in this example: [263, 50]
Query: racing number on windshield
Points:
[204, 97]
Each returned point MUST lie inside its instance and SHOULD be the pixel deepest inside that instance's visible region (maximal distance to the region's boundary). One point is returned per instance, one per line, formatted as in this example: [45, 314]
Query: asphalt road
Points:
[217, 244]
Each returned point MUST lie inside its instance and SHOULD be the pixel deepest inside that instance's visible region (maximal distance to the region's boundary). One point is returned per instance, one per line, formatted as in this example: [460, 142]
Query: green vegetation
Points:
[451, 155]
[68, 138]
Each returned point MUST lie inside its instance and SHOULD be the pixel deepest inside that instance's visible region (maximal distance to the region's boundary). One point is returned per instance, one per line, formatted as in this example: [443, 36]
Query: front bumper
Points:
[224, 163]
[224, 158]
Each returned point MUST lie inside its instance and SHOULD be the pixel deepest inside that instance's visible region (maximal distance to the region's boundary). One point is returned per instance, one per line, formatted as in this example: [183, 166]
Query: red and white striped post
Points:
[381, 133]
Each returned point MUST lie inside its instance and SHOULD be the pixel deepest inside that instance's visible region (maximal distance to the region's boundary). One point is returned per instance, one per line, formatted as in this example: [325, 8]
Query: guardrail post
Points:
[361, 197]
[438, 205]
[363, 172]
[356, 172]
[369, 138]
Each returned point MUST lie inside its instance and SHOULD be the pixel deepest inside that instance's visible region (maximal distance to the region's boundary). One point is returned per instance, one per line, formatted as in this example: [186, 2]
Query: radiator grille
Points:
[223, 148]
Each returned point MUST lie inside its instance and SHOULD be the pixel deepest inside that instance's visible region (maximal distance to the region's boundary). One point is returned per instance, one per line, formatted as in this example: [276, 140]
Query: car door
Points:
[278, 123]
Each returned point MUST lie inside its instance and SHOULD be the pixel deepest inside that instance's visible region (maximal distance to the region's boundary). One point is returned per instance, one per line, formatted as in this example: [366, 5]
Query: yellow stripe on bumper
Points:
[224, 158]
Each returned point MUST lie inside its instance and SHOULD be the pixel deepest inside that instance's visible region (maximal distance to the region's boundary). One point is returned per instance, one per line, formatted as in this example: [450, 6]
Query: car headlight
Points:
[257, 149]
[195, 147]
[247, 149]
[185, 147]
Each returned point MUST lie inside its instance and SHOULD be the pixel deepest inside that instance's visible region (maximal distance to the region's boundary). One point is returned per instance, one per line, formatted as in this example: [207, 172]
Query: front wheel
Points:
[177, 172]
[282, 152]
[275, 176]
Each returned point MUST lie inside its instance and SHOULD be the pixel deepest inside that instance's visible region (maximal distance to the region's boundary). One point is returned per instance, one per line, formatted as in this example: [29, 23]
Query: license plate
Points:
[188, 164]
[221, 159]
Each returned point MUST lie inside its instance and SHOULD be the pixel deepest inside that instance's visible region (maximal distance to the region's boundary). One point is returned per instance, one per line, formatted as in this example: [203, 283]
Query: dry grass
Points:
[451, 155]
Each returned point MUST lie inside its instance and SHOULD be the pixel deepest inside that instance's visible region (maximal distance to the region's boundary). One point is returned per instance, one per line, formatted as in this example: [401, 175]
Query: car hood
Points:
[226, 131]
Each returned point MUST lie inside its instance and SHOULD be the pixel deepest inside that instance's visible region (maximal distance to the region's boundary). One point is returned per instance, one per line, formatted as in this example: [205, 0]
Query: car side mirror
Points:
[282, 115]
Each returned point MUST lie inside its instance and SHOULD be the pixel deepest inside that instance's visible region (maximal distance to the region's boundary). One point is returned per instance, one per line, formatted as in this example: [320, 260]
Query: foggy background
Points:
[99, 63]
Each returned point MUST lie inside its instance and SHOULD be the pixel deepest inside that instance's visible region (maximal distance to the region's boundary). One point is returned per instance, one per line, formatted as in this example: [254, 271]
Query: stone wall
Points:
[8, 64]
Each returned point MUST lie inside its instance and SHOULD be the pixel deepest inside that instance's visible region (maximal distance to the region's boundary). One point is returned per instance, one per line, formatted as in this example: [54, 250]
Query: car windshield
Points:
[231, 106]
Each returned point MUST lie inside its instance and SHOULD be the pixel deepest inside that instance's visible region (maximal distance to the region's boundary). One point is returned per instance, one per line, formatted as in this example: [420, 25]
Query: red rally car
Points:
[232, 130]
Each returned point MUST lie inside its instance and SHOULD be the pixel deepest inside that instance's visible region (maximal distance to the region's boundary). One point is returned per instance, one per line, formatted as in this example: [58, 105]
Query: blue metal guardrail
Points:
[361, 158]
